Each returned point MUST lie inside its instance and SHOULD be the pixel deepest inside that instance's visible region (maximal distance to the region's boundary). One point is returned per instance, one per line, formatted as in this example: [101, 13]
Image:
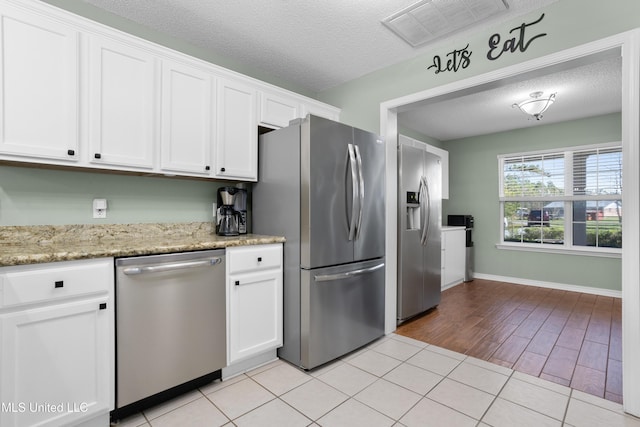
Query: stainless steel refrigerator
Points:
[419, 229]
[321, 186]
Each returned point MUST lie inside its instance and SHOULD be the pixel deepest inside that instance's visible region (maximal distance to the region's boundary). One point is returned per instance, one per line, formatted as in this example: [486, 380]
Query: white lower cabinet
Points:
[57, 343]
[453, 256]
[254, 301]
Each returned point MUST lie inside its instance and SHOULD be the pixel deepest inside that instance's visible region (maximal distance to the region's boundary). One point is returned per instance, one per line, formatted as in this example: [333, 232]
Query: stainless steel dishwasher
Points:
[170, 326]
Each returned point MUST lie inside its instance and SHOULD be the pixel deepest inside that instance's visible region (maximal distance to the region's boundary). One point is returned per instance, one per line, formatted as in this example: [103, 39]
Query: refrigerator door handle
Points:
[361, 195]
[354, 190]
[421, 199]
[425, 207]
[347, 274]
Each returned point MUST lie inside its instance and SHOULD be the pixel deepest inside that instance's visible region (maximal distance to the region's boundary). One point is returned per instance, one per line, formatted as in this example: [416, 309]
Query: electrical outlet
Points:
[100, 208]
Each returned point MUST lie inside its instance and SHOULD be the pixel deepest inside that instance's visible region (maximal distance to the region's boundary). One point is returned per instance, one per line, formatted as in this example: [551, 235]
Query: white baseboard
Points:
[551, 285]
[248, 364]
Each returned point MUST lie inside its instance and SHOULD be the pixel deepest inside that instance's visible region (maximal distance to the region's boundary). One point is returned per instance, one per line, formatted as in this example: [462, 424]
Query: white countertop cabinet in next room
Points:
[57, 343]
[453, 256]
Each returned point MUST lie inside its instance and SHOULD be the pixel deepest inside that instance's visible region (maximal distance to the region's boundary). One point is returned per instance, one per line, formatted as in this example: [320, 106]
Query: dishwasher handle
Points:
[161, 268]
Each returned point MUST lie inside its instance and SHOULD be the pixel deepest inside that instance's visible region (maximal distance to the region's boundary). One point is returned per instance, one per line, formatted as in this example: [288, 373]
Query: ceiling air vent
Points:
[428, 20]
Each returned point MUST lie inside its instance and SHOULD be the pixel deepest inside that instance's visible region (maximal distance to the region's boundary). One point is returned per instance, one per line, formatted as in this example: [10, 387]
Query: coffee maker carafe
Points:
[227, 215]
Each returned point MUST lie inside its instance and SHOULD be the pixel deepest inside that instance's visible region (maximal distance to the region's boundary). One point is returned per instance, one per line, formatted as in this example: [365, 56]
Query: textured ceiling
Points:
[316, 44]
[584, 90]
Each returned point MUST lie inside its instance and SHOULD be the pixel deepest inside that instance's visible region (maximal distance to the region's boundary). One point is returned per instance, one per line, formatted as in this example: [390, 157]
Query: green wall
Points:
[567, 23]
[35, 196]
[31, 196]
[473, 188]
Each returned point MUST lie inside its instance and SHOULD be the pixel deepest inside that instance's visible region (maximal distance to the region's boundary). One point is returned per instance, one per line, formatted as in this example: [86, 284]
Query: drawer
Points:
[53, 281]
[253, 258]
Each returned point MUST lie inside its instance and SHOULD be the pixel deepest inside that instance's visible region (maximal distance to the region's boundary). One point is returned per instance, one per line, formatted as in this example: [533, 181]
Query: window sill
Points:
[551, 249]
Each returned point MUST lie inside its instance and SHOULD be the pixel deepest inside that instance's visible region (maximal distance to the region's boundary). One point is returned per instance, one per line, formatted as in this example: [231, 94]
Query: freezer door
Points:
[329, 193]
[342, 309]
[370, 158]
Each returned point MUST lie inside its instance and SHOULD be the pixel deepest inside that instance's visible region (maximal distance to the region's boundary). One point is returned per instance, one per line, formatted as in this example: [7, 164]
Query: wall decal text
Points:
[518, 42]
[459, 59]
[456, 59]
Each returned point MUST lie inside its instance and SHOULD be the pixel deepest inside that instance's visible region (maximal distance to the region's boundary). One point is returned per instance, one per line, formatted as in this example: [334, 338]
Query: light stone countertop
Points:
[21, 245]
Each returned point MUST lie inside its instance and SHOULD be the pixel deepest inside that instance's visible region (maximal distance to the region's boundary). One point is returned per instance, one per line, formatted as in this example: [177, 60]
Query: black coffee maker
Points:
[228, 217]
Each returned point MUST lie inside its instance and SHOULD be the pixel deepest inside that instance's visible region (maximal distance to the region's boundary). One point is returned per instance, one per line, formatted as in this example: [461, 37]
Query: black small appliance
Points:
[465, 221]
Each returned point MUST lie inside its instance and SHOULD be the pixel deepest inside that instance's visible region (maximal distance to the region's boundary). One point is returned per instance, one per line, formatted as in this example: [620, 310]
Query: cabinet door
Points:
[453, 257]
[39, 87]
[55, 364]
[187, 117]
[254, 313]
[237, 132]
[277, 111]
[122, 87]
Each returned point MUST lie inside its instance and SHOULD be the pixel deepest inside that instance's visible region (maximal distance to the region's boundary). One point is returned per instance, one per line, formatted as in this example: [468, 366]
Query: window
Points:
[564, 199]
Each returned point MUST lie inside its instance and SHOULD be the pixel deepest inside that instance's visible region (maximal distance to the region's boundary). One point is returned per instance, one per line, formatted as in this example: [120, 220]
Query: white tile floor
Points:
[395, 381]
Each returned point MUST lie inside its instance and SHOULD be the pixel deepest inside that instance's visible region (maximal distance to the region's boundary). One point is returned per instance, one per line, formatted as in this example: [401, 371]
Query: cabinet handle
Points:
[71, 152]
[222, 170]
[59, 284]
[97, 155]
[259, 259]
[207, 168]
[237, 283]
[103, 305]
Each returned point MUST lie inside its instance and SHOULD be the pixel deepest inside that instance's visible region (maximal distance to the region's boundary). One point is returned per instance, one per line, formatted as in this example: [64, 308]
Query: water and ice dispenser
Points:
[413, 211]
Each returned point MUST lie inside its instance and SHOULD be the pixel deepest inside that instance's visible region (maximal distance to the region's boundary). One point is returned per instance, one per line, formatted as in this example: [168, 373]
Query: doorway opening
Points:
[625, 45]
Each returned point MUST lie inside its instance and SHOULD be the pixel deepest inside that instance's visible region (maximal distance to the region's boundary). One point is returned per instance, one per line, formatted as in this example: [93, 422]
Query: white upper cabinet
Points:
[77, 93]
[320, 109]
[187, 119]
[39, 87]
[277, 111]
[122, 101]
[237, 131]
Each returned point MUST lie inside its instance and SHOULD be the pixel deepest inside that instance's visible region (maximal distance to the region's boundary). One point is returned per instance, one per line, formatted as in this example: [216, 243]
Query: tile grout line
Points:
[496, 397]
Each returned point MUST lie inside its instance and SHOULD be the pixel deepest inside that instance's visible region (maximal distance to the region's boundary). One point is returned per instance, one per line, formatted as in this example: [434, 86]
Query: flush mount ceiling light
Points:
[429, 19]
[536, 105]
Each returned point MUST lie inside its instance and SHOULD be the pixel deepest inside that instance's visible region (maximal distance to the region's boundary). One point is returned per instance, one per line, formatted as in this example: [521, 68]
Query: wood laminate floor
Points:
[571, 338]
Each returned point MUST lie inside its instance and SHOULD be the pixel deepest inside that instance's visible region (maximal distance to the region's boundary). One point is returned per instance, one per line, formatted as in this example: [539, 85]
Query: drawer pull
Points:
[103, 305]
[259, 259]
[97, 156]
[237, 283]
[59, 284]
[71, 152]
